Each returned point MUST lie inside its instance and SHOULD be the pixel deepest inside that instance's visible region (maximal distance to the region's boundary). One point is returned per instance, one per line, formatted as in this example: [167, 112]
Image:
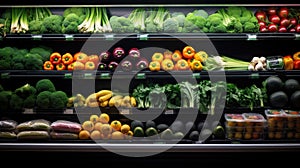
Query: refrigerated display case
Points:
[239, 45]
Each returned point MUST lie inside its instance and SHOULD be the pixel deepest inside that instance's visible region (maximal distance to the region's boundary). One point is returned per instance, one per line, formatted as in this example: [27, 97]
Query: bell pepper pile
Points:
[186, 59]
[67, 61]
[292, 62]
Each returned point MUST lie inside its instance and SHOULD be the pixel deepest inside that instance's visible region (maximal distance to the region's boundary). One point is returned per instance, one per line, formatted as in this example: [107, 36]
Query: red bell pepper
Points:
[297, 64]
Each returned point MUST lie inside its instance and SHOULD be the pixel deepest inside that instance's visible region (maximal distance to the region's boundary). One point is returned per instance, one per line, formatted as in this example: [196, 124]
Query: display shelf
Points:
[94, 147]
[142, 2]
[144, 74]
[154, 36]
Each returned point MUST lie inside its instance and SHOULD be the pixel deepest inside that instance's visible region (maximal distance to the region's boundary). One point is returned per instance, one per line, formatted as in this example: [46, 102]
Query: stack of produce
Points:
[67, 61]
[278, 19]
[101, 127]
[12, 58]
[37, 129]
[122, 60]
[63, 129]
[106, 98]
[8, 129]
[282, 94]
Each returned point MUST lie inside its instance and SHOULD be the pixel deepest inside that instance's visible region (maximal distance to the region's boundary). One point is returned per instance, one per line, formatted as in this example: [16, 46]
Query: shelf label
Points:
[69, 37]
[5, 75]
[105, 76]
[140, 76]
[297, 36]
[88, 75]
[37, 37]
[28, 111]
[68, 111]
[254, 76]
[124, 111]
[169, 112]
[196, 75]
[143, 37]
[109, 37]
[252, 36]
[68, 75]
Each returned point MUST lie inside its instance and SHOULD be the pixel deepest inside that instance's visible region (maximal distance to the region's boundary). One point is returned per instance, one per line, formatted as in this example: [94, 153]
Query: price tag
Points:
[88, 75]
[196, 75]
[28, 111]
[140, 76]
[37, 37]
[68, 111]
[69, 37]
[68, 75]
[143, 36]
[109, 37]
[169, 112]
[124, 111]
[297, 36]
[5, 75]
[254, 76]
[252, 36]
[105, 76]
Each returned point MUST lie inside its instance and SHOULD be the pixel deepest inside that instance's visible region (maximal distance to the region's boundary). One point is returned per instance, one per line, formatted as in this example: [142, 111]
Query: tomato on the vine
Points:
[283, 12]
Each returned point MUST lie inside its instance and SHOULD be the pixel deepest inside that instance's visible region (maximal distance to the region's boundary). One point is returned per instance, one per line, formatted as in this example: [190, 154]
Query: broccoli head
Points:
[200, 12]
[218, 29]
[70, 23]
[151, 27]
[190, 27]
[35, 26]
[170, 25]
[43, 100]
[43, 51]
[199, 20]
[58, 100]
[5, 97]
[29, 102]
[16, 102]
[6, 52]
[79, 11]
[5, 65]
[33, 62]
[121, 24]
[180, 19]
[52, 24]
[44, 85]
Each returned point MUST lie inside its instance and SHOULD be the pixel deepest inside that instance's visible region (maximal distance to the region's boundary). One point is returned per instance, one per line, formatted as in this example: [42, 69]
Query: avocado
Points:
[219, 132]
[205, 134]
[167, 134]
[136, 123]
[178, 135]
[200, 126]
[177, 126]
[273, 84]
[151, 131]
[291, 86]
[190, 126]
[150, 123]
[194, 136]
[162, 127]
[138, 132]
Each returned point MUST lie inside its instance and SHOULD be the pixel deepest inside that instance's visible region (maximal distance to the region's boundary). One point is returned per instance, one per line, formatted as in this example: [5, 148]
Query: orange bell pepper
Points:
[296, 56]
[176, 55]
[67, 58]
[70, 67]
[168, 54]
[81, 57]
[60, 66]
[55, 58]
[48, 65]
[188, 52]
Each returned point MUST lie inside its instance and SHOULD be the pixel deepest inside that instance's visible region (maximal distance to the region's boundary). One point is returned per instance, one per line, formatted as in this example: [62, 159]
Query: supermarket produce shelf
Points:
[135, 147]
[144, 74]
[154, 36]
[141, 2]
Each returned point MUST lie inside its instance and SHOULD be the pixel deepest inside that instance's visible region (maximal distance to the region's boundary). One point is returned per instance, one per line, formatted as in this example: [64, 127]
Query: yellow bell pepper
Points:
[167, 64]
[196, 65]
[201, 56]
[154, 66]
